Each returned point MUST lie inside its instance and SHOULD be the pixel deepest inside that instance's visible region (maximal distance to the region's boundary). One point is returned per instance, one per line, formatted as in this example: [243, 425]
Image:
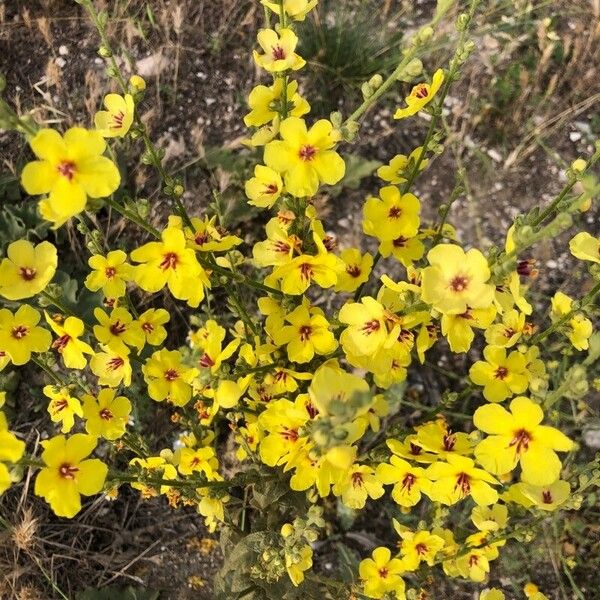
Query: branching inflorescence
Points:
[309, 397]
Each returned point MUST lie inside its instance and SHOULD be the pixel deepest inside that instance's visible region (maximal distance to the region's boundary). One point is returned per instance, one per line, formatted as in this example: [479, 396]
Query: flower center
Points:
[171, 375]
[306, 270]
[353, 270]
[459, 283]
[105, 414]
[449, 442]
[463, 484]
[110, 272]
[148, 327]
[547, 497]
[383, 572]
[521, 441]
[118, 120]
[357, 480]
[305, 332]
[19, 332]
[371, 327]
[60, 405]
[421, 91]
[60, 343]
[501, 373]
[115, 363]
[400, 242]
[117, 328]
[394, 212]
[27, 273]
[206, 361]
[169, 261]
[271, 189]
[290, 435]
[415, 450]
[67, 169]
[473, 560]
[408, 482]
[307, 152]
[201, 238]
[67, 471]
[421, 549]
[278, 53]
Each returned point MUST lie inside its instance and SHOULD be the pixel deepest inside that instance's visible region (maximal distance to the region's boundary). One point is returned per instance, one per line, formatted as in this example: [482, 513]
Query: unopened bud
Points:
[178, 190]
[137, 82]
[425, 34]
[366, 90]
[414, 68]
[462, 22]
[376, 81]
[104, 52]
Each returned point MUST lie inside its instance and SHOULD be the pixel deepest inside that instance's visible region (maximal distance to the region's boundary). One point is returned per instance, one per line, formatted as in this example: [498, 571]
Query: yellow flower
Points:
[63, 407]
[263, 101]
[27, 270]
[308, 334]
[70, 168]
[517, 436]
[381, 575]
[20, 335]
[437, 437]
[509, 332]
[137, 83]
[11, 450]
[458, 328]
[67, 475]
[112, 366]
[579, 327]
[391, 215]
[420, 96]
[367, 330]
[456, 280]
[295, 9]
[297, 563]
[118, 329]
[151, 323]
[459, 478]
[205, 235]
[156, 466]
[169, 262]
[417, 547]
[406, 250]
[264, 188]
[357, 270]
[396, 170]
[106, 415]
[297, 275]
[68, 344]
[356, 485]
[281, 422]
[116, 120]
[490, 518]
[167, 378]
[492, 594]
[278, 248]
[279, 51]
[199, 460]
[502, 376]
[585, 247]
[545, 497]
[409, 482]
[110, 274]
[304, 157]
[474, 565]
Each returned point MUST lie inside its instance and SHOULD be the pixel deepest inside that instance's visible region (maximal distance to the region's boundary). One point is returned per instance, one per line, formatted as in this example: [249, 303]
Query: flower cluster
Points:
[303, 389]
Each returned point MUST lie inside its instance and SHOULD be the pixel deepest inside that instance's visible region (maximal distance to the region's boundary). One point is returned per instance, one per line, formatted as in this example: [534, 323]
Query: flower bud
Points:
[425, 34]
[287, 530]
[137, 82]
[376, 81]
[462, 22]
[104, 52]
[414, 68]
[366, 90]
[178, 190]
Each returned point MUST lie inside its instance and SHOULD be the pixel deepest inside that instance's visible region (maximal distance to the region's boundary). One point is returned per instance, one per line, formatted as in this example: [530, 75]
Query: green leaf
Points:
[357, 168]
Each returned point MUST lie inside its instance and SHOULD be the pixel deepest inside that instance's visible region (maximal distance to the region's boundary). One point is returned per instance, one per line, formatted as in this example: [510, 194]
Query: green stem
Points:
[42, 365]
